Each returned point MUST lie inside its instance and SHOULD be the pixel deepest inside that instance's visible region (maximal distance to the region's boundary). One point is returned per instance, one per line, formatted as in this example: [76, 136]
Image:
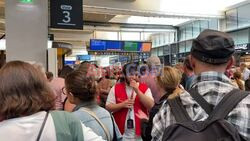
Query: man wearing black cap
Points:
[211, 55]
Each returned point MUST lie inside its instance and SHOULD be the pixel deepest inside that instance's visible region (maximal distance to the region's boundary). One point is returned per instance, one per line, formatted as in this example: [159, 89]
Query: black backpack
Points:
[214, 128]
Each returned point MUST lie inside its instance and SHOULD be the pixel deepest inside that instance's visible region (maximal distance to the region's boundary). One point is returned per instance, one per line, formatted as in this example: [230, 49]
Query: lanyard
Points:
[130, 109]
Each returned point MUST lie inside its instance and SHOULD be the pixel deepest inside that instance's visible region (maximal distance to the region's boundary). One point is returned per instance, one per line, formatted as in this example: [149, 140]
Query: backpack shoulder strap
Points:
[227, 104]
[67, 126]
[207, 107]
[178, 110]
[42, 127]
[105, 129]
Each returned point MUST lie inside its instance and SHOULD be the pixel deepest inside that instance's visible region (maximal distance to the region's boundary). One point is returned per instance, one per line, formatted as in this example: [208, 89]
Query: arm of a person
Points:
[240, 117]
[146, 99]
[158, 125]
[89, 135]
[106, 91]
[114, 107]
[111, 102]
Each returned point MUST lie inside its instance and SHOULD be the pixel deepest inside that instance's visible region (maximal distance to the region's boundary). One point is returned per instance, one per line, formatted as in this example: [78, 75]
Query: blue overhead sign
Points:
[83, 57]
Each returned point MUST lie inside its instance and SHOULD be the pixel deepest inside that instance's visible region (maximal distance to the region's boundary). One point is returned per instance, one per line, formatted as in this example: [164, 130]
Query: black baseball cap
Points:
[213, 47]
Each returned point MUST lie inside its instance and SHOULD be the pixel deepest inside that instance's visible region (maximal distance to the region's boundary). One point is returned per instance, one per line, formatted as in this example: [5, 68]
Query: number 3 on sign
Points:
[66, 18]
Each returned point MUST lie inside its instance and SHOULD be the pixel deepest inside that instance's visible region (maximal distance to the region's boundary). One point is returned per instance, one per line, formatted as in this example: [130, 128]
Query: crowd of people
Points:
[204, 98]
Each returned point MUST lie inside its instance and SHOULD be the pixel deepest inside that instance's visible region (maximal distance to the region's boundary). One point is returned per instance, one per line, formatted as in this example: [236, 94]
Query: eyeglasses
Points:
[64, 91]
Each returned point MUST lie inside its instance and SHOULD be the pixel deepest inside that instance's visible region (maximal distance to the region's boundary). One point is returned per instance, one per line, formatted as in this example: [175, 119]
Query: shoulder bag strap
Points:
[114, 132]
[178, 110]
[208, 108]
[227, 104]
[98, 120]
[42, 127]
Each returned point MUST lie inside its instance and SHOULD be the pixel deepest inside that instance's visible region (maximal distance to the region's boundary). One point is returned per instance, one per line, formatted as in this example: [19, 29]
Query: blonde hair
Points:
[238, 77]
[170, 80]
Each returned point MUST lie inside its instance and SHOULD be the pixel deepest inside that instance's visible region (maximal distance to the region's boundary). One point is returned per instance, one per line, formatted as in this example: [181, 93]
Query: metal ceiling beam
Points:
[144, 13]
[126, 25]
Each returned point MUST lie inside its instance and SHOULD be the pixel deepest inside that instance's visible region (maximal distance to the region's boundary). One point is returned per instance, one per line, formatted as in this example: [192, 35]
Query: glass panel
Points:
[189, 45]
[154, 52]
[231, 19]
[166, 50]
[146, 36]
[243, 36]
[213, 24]
[204, 25]
[189, 32]
[160, 51]
[174, 49]
[240, 37]
[196, 28]
[106, 35]
[182, 34]
[182, 47]
[172, 37]
[162, 39]
[244, 16]
[153, 41]
[131, 36]
[166, 38]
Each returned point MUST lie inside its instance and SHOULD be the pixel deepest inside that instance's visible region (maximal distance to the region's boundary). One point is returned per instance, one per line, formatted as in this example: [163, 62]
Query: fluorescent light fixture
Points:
[50, 44]
[26, 1]
[79, 52]
[148, 20]
[70, 58]
[3, 44]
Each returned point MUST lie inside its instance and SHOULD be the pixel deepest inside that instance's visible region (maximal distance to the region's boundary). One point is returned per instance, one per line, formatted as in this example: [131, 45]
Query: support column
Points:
[52, 61]
[26, 30]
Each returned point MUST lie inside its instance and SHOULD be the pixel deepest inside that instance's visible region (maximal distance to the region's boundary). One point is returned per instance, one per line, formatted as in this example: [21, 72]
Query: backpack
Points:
[68, 127]
[214, 128]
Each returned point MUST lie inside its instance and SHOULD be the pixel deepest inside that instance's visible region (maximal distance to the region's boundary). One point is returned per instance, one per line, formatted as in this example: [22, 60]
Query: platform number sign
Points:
[66, 14]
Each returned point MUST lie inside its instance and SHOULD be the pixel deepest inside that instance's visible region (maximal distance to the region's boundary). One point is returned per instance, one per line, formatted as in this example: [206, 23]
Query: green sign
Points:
[26, 1]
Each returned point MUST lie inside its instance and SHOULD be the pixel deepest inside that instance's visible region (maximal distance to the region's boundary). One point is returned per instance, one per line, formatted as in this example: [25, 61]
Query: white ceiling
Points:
[148, 20]
[162, 12]
[197, 7]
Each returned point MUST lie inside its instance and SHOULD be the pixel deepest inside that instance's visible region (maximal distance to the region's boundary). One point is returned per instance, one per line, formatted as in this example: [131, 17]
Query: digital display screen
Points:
[69, 62]
[97, 45]
[126, 46]
[139, 46]
[83, 57]
[114, 45]
[130, 46]
[146, 47]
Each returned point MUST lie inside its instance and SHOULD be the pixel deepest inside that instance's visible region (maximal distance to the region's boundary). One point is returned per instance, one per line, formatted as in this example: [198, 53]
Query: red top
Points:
[120, 116]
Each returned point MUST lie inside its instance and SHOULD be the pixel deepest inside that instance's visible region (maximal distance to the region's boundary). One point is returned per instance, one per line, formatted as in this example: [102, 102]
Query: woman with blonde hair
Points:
[169, 86]
[238, 80]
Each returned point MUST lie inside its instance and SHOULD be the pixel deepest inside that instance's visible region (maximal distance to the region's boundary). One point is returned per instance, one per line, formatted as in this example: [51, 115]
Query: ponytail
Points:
[240, 84]
[176, 93]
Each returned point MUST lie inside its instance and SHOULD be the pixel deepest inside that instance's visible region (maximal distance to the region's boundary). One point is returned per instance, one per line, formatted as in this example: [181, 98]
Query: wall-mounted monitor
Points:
[120, 46]
[114, 45]
[83, 57]
[130, 46]
[97, 45]
[146, 47]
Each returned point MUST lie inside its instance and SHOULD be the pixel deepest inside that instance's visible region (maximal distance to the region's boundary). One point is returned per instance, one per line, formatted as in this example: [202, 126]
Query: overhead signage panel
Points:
[119, 46]
[66, 14]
